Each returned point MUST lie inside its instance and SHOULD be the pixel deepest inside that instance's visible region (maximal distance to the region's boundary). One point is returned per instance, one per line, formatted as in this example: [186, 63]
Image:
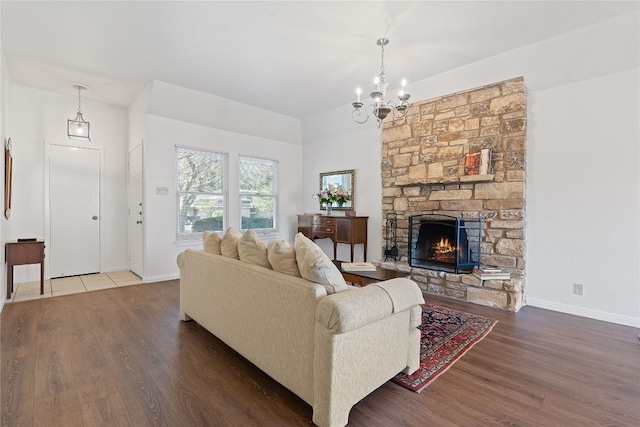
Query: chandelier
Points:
[381, 108]
[78, 128]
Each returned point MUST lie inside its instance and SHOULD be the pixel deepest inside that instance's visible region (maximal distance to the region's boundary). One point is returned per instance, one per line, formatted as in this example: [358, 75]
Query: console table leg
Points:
[9, 281]
[42, 278]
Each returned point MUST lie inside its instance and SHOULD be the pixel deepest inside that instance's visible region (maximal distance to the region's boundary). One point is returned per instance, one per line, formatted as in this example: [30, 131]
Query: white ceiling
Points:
[295, 58]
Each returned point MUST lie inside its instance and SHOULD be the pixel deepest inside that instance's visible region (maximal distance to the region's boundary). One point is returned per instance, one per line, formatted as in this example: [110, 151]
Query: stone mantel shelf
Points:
[477, 178]
[456, 180]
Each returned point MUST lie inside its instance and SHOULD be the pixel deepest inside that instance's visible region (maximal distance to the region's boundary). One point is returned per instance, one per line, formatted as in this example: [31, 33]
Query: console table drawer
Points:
[323, 229]
[323, 221]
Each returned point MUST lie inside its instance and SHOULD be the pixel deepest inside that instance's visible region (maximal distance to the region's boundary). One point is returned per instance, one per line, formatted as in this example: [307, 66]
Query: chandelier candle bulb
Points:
[358, 92]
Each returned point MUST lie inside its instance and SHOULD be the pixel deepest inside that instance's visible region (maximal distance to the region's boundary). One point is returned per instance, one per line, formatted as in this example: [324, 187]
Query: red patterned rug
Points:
[447, 334]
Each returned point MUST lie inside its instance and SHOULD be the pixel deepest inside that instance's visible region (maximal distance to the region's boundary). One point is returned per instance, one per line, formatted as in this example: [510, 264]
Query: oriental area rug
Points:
[447, 334]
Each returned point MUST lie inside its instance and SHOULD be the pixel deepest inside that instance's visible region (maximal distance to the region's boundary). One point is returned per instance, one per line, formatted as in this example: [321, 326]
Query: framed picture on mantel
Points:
[477, 162]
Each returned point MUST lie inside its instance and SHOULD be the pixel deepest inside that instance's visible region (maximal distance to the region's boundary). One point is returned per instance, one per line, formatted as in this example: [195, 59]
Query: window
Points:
[258, 193]
[202, 201]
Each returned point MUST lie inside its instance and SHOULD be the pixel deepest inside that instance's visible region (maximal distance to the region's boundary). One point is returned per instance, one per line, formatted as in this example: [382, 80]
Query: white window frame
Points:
[274, 195]
[224, 193]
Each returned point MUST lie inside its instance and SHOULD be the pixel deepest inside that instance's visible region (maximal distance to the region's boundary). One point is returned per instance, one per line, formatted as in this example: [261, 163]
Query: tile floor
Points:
[74, 285]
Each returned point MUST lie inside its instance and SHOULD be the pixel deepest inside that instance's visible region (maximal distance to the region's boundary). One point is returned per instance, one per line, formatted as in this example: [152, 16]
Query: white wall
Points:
[583, 199]
[556, 71]
[137, 113]
[4, 93]
[163, 135]
[204, 109]
[362, 151]
[36, 118]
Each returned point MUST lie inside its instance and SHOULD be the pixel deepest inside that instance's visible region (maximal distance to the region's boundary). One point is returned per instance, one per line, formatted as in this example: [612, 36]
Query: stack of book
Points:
[358, 266]
[488, 273]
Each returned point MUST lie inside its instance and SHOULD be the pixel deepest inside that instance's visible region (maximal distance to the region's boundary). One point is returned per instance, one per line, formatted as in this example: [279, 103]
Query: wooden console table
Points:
[20, 253]
[351, 230]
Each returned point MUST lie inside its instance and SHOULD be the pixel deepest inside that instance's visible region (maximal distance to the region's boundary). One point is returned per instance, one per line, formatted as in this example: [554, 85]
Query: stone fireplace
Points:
[444, 243]
[423, 173]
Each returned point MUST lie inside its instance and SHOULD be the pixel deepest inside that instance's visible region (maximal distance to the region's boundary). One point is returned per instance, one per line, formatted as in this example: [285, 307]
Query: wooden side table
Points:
[364, 278]
[20, 253]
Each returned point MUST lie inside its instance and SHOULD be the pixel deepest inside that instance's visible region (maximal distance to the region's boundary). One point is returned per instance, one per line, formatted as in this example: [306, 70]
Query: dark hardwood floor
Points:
[122, 357]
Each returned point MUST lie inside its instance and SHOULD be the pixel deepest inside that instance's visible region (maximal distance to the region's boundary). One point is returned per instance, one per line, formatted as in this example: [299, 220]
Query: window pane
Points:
[258, 212]
[257, 176]
[199, 171]
[200, 212]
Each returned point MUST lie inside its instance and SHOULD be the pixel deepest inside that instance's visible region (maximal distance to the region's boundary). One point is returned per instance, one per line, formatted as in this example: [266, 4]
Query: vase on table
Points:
[328, 208]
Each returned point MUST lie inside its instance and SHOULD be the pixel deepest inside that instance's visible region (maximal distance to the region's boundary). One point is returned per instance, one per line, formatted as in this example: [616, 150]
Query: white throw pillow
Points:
[315, 265]
[211, 242]
[252, 250]
[230, 240]
[282, 257]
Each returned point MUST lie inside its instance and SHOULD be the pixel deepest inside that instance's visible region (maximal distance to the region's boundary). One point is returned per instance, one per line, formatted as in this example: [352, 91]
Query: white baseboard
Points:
[585, 312]
[161, 278]
[115, 269]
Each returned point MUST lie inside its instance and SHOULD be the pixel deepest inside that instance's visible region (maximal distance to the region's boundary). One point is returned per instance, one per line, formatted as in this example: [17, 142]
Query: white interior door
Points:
[74, 202]
[135, 211]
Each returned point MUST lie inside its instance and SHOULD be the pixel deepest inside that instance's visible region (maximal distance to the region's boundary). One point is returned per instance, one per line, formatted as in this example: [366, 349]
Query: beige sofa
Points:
[330, 350]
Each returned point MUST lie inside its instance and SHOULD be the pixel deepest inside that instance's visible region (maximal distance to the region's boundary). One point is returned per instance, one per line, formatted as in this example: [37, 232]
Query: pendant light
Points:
[78, 128]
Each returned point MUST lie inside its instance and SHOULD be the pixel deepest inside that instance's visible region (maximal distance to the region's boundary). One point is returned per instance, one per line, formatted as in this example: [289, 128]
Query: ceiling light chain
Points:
[380, 108]
[78, 128]
[79, 101]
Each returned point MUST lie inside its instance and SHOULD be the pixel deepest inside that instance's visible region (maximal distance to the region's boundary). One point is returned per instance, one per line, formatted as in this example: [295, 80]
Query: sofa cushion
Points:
[252, 250]
[230, 240]
[211, 242]
[282, 257]
[315, 265]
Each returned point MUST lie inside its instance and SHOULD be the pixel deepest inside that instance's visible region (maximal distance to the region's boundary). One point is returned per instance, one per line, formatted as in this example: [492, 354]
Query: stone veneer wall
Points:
[423, 172]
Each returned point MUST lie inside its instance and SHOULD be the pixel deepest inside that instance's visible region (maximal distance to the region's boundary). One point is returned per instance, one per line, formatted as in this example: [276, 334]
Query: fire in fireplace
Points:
[446, 243]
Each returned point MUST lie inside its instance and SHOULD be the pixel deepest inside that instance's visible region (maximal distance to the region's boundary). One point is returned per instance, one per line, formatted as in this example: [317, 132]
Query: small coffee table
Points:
[364, 278]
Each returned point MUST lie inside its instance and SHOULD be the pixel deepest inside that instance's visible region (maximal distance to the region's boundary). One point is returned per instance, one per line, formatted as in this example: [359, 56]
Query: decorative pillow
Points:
[211, 242]
[315, 265]
[230, 240]
[252, 250]
[282, 257]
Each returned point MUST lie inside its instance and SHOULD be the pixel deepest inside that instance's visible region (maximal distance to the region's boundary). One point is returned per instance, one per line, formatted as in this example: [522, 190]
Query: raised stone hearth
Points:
[423, 171]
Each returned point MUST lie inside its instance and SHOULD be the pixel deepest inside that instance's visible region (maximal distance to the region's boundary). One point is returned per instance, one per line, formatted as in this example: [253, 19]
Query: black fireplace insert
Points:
[444, 243]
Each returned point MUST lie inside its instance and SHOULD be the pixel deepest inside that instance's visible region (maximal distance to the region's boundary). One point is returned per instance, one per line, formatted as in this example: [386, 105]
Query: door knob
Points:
[138, 222]
[94, 217]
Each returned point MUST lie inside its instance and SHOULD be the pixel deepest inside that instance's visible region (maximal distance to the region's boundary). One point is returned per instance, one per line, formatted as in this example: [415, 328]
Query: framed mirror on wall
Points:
[340, 185]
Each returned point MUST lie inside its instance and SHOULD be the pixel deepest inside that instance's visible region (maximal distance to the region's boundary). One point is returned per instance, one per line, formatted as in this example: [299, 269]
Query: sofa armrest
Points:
[401, 294]
[349, 310]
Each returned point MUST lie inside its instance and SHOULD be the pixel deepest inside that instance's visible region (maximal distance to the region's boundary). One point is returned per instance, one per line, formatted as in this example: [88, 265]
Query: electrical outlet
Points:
[162, 191]
[578, 288]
